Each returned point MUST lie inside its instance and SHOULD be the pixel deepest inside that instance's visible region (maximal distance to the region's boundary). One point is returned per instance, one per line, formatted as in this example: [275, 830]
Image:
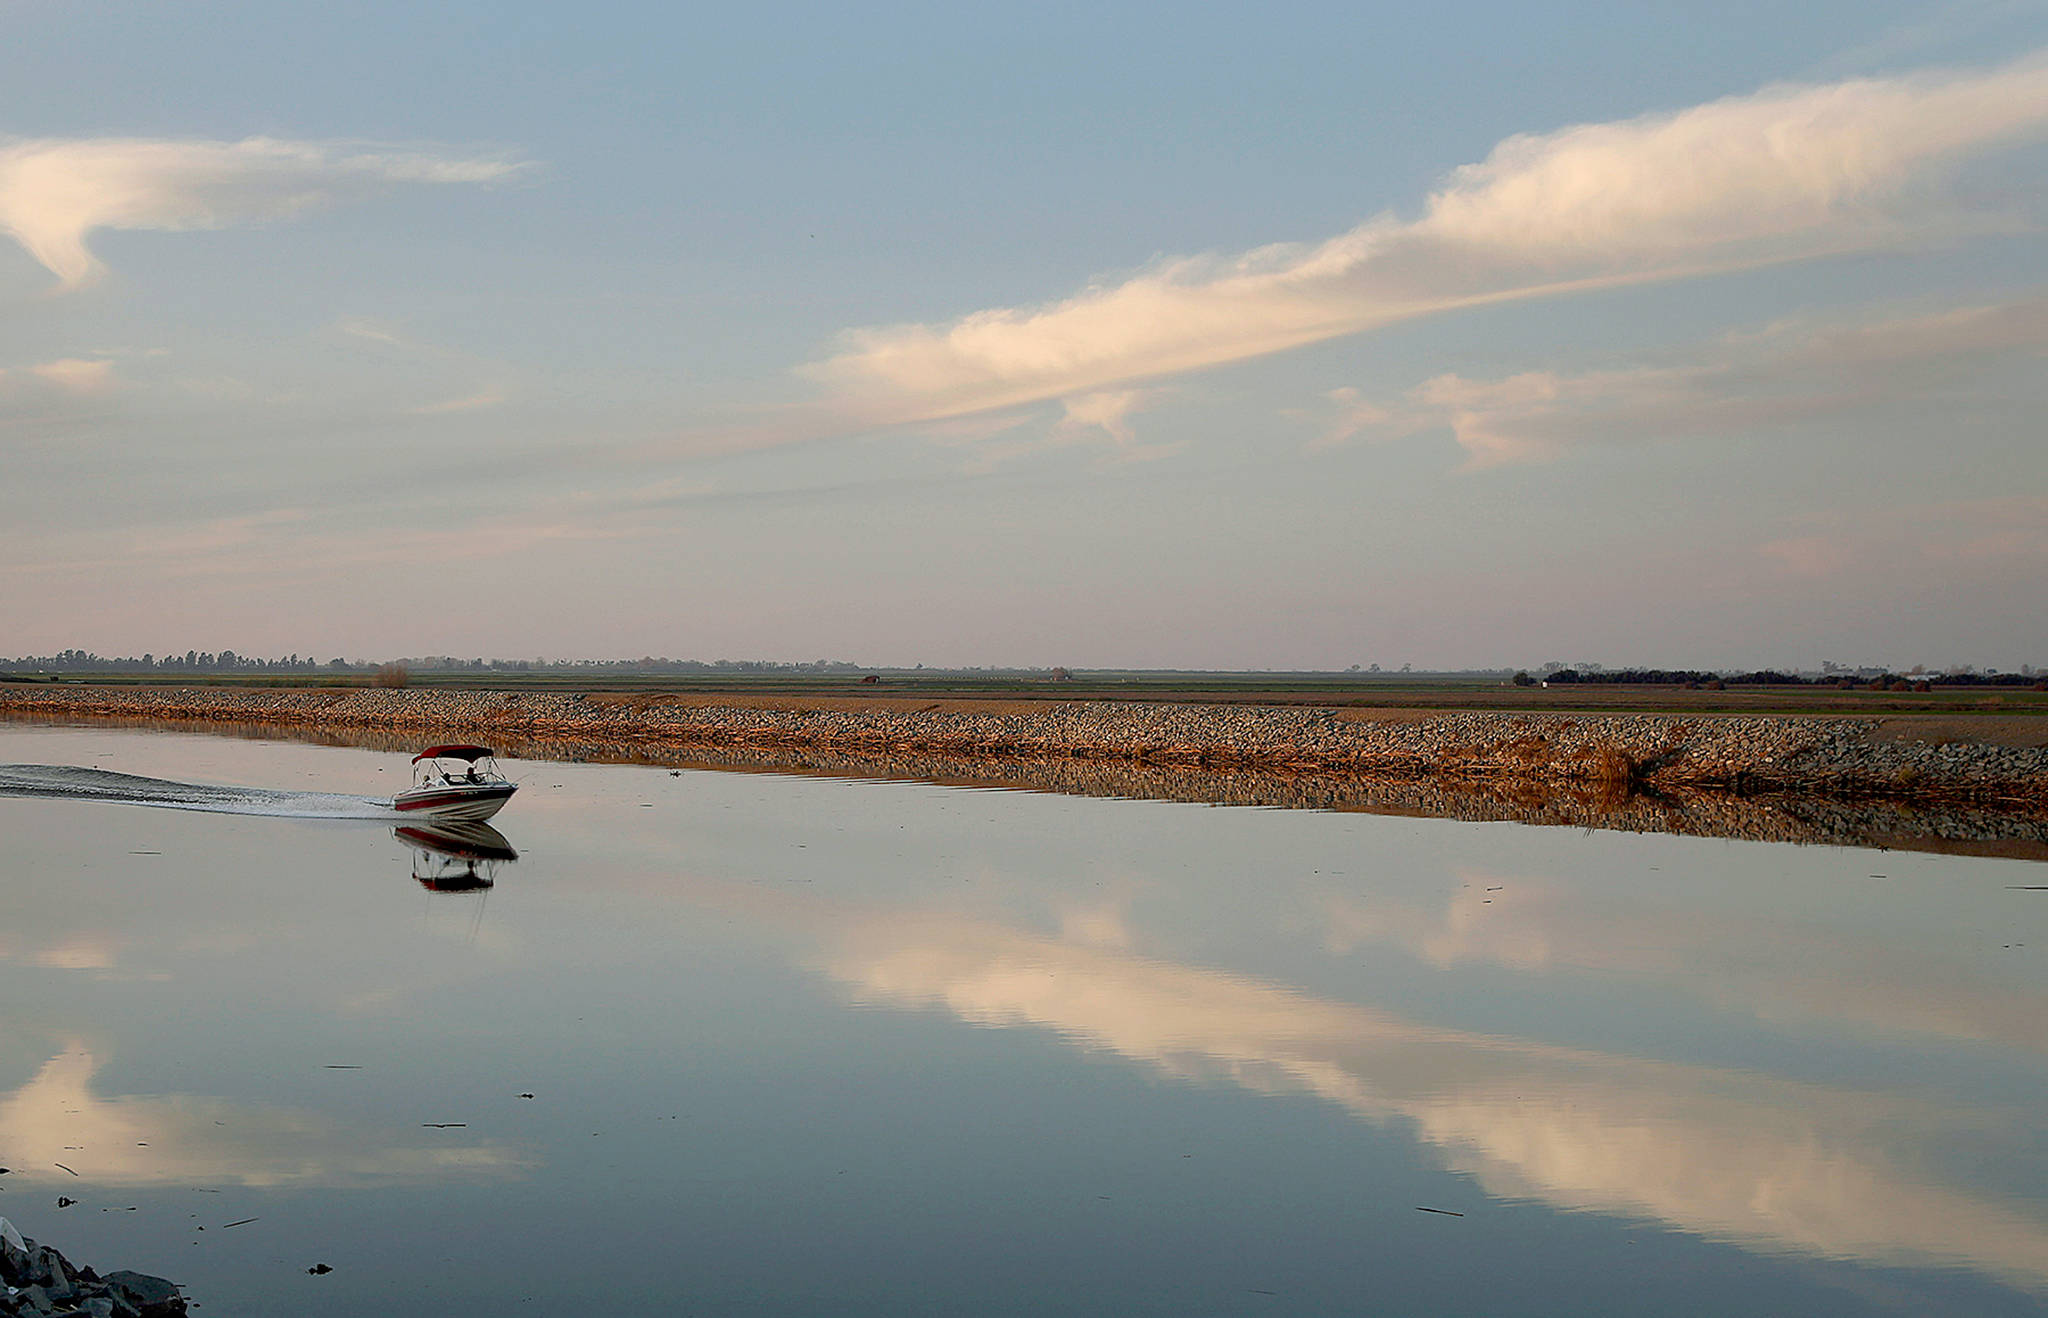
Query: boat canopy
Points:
[453, 753]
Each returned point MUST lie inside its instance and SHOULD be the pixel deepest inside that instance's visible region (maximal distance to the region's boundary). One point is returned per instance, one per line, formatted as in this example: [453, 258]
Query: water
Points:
[76, 782]
[742, 1043]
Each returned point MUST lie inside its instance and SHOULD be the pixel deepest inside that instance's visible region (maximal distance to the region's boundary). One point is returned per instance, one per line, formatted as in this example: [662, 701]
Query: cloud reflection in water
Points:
[1728, 1154]
[178, 1139]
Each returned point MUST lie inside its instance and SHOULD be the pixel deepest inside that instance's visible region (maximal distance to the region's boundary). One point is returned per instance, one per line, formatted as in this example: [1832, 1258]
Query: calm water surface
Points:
[731, 1043]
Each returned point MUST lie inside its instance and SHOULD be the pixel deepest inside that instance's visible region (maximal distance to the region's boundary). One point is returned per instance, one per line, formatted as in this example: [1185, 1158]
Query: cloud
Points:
[1354, 414]
[73, 375]
[1949, 536]
[488, 397]
[55, 192]
[1786, 173]
[54, 392]
[1785, 373]
[1107, 411]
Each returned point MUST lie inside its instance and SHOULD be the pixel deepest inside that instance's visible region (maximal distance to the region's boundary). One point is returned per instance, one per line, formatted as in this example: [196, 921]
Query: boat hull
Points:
[465, 801]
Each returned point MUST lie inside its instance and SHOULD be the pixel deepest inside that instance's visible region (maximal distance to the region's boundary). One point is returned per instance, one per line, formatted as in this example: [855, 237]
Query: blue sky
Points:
[1098, 335]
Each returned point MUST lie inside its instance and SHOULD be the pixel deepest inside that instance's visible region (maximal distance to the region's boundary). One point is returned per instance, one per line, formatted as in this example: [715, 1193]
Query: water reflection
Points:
[456, 856]
[1759, 962]
[57, 1130]
[1729, 1154]
[1758, 1047]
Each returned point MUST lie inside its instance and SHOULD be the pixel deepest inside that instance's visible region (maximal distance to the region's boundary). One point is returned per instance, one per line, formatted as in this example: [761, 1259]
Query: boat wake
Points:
[76, 783]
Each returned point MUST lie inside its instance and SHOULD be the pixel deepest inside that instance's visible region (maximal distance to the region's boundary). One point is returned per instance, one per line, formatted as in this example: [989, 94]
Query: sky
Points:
[1107, 335]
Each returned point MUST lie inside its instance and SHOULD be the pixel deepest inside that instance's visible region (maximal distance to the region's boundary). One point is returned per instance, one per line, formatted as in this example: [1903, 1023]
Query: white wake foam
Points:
[76, 783]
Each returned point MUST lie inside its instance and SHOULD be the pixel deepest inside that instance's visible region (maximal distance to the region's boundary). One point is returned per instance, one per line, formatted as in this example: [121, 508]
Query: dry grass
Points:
[1615, 767]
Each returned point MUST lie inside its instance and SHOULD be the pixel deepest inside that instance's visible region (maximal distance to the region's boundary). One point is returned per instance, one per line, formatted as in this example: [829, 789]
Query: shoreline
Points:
[40, 1282]
[1841, 757]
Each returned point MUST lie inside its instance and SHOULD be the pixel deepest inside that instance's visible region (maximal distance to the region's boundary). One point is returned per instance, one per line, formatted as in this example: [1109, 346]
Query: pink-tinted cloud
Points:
[1785, 373]
[54, 192]
[1782, 174]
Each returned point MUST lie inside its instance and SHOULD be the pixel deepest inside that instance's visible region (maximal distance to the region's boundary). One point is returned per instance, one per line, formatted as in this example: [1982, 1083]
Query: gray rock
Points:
[151, 1297]
[59, 1288]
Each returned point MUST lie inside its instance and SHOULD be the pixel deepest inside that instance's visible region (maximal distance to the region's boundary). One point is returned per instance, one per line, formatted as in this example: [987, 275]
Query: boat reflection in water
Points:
[451, 856]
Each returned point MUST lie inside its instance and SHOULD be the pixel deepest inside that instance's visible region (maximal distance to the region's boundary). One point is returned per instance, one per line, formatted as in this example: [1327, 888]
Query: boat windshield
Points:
[456, 771]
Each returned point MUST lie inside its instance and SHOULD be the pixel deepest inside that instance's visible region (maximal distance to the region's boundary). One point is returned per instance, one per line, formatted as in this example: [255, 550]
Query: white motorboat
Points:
[455, 783]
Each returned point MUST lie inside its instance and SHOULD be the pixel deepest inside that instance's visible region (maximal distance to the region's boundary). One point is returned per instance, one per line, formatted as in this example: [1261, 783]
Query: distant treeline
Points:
[1669, 677]
[227, 661]
[1771, 677]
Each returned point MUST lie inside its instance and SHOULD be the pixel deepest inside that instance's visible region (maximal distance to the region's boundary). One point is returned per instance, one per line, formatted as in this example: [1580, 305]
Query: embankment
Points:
[1841, 757]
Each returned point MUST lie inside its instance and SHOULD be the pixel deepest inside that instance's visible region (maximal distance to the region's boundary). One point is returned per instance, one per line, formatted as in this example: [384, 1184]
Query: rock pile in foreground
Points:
[36, 1280]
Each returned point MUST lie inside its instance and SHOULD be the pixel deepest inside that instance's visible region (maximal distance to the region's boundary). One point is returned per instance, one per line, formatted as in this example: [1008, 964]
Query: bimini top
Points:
[453, 753]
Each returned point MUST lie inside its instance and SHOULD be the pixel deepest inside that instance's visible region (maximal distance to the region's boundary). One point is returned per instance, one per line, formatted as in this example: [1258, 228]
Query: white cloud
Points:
[1784, 373]
[1106, 411]
[1785, 173]
[74, 375]
[55, 192]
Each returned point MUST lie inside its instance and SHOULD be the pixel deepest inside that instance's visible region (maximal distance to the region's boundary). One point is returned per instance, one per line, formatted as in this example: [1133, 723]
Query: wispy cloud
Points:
[55, 391]
[1106, 412]
[1972, 535]
[476, 402]
[74, 375]
[1789, 372]
[494, 390]
[1354, 413]
[54, 192]
[1786, 173]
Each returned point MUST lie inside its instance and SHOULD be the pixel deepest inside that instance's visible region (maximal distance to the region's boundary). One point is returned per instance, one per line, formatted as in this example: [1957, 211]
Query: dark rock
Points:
[151, 1297]
[59, 1287]
[41, 1281]
[319, 1270]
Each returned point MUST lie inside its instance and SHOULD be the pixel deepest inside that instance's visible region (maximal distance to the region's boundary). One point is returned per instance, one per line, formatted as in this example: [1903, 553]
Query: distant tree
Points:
[393, 675]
